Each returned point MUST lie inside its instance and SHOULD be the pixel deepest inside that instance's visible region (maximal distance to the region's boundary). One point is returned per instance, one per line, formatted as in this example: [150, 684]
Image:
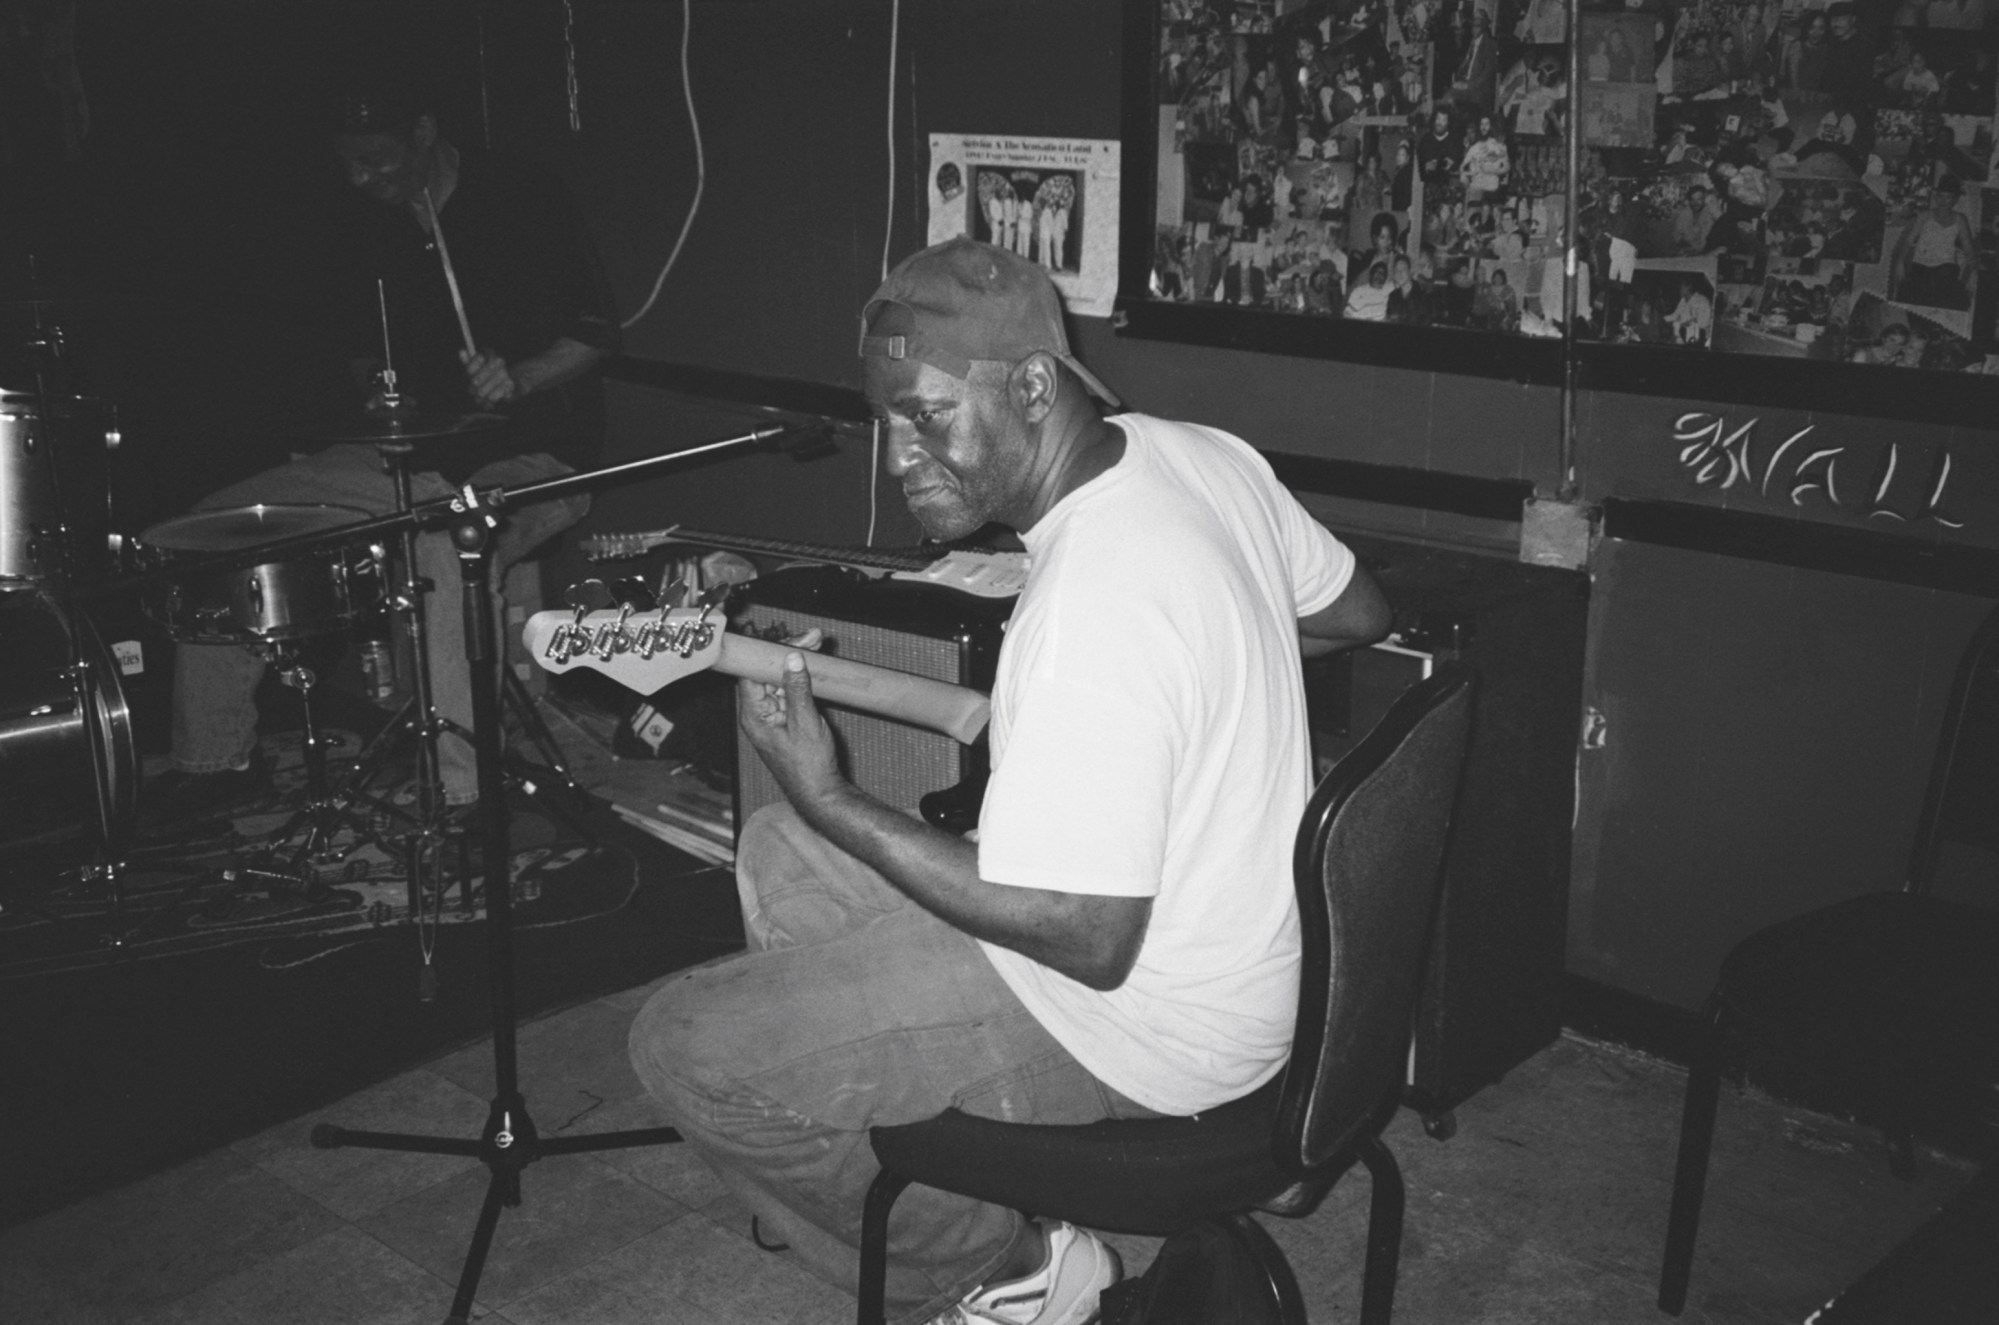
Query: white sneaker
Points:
[1062, 1292]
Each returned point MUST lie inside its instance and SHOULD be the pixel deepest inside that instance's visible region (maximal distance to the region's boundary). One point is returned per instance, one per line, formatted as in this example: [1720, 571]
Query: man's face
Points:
[1842, 26]
[957, 444]
[1440, 124]
[390, 168]
[1697, 198]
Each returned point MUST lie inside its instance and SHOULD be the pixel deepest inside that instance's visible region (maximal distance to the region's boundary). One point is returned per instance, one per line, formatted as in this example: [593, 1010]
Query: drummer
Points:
[534, 299]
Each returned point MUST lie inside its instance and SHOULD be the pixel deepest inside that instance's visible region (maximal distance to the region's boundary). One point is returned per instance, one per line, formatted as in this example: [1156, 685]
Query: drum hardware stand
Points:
[321, 815]
[509, 1142]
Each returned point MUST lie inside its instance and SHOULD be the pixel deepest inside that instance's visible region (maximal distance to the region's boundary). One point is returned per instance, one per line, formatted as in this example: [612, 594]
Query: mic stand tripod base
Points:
[509, 1141]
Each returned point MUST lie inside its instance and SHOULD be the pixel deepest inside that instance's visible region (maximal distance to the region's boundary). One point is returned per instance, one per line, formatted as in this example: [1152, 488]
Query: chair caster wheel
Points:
[1441, 1126]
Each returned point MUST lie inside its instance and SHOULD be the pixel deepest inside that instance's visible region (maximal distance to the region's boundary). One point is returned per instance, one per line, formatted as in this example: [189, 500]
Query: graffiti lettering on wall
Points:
[1872, 483]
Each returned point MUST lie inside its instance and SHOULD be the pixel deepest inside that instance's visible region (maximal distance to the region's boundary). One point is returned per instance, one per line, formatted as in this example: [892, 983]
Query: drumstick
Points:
[450, 277]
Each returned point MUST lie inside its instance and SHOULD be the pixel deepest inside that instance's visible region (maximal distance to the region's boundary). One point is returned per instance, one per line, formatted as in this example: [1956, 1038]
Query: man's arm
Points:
[494, 380]
[1090, 938]
[1359, 616]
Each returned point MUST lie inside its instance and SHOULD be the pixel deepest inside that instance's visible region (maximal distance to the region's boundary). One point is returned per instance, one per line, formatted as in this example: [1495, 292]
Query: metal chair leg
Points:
[1690, 1172]
[1384, 1232]
[1263, 1249]
[873, 1305]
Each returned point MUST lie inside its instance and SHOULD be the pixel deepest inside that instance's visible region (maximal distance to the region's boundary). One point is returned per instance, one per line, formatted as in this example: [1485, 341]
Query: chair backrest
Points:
[1369, 871]
[1962, 802]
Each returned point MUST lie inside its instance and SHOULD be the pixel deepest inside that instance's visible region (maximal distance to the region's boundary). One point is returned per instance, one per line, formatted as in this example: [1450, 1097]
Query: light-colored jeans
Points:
[853, 1007]
[215, 685]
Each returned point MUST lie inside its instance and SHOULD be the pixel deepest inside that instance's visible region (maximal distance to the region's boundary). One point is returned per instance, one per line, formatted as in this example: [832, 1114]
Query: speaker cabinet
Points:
[932, 632]
[1493, 992]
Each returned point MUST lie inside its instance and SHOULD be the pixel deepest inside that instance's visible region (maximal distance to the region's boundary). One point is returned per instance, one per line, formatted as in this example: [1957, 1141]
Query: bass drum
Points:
[67, 756]
[55, 487]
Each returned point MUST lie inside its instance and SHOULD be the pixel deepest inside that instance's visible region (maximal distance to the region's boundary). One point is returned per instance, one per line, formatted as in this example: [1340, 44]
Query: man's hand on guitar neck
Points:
[788, 730]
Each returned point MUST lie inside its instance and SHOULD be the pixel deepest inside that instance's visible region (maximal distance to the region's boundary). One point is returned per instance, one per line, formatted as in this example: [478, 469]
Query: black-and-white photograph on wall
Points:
[1764, 171]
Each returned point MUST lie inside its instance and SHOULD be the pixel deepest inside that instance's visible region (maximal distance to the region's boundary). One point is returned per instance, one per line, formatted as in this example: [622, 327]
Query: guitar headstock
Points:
[619, 547]
[639, 650]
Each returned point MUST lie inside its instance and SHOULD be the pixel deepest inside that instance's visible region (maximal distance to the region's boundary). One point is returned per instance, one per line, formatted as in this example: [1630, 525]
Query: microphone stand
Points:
[509, 1142]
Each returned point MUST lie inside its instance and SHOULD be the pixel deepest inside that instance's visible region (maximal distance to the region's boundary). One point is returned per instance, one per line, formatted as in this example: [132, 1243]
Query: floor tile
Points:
[342, 1278]
[355, 1181]
[573, 1210]
[688, 1271]
[170, 1234]
[674, 1170]
[32, 1296]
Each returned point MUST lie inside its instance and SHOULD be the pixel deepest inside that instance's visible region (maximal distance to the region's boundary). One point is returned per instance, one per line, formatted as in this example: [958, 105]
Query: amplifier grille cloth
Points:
[891, 761]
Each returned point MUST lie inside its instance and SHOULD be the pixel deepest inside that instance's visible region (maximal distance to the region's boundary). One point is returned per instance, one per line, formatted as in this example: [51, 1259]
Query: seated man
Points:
[1121, 939]
[534, 297]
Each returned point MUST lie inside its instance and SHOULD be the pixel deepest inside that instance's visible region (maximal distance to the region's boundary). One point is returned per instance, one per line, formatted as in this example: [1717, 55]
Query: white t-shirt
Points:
[1149, 740]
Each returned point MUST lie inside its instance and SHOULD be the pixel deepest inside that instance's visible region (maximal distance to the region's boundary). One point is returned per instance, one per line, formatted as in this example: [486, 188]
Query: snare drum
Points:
[317, 592]
[51, 714]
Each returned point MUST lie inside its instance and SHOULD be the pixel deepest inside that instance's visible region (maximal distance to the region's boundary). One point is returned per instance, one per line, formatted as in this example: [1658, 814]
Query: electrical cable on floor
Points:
[700, 164]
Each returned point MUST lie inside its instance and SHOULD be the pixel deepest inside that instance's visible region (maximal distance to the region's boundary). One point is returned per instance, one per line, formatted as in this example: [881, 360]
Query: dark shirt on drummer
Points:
[528, 275]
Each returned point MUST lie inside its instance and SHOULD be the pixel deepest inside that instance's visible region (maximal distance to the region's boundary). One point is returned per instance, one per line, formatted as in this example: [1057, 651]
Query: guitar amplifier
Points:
[930, 631]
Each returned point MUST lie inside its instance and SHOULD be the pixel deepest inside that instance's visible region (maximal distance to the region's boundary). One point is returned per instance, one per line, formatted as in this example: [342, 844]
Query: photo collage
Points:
[1811, 180]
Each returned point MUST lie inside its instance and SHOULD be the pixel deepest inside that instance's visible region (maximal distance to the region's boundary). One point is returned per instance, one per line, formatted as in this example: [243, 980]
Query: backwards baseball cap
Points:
[961, 301]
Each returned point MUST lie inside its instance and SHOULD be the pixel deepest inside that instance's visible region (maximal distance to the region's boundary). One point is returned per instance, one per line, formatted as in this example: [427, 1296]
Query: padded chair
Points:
[1883, 1007]
[1368, 873]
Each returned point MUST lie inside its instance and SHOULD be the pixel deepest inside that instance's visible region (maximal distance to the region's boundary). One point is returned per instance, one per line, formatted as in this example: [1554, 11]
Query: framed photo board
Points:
[1776, 198]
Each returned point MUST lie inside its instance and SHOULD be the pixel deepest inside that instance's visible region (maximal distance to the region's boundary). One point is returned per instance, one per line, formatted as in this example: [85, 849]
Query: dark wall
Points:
[789, 241]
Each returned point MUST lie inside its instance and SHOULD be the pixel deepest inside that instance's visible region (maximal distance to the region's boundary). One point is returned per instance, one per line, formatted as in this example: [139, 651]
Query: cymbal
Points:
[406, 426]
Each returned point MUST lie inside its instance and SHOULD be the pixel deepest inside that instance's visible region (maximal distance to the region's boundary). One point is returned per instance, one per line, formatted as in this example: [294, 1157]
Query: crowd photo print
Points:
[1773, 177]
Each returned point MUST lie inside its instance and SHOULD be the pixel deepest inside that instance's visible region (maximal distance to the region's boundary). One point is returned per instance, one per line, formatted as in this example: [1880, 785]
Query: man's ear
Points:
[1037, 381]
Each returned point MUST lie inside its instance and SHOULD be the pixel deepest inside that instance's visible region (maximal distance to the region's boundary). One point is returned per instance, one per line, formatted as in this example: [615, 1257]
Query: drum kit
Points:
[274, 579]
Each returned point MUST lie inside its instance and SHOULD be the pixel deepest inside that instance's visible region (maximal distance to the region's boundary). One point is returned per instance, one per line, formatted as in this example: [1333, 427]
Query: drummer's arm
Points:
[493, 380]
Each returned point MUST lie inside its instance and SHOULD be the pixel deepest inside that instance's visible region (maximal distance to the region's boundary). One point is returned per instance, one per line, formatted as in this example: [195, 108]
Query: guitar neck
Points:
[864, 558]
[645, 651]
[941, 707]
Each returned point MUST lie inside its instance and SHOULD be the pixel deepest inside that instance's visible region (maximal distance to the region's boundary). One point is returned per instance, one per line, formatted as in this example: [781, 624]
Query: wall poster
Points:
[1054, 200]
[1759, 177]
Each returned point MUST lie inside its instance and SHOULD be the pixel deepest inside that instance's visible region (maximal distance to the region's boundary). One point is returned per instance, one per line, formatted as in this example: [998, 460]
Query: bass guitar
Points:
[645, 650]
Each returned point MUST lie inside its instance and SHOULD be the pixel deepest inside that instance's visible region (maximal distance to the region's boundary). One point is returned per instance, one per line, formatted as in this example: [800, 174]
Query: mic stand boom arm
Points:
[437, 513]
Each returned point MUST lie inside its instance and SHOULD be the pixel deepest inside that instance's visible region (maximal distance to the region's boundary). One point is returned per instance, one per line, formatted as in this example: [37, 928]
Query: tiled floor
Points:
[1547, 1207]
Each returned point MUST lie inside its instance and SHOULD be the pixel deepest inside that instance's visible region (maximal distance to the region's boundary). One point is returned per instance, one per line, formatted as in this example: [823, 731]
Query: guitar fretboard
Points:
[870, 558]
[867, 558]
